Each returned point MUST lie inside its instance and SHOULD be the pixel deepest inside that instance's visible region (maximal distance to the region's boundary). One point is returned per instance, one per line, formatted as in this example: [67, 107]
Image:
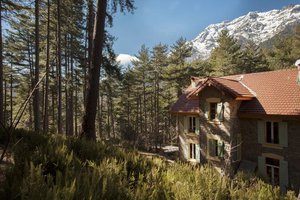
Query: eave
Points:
[244, 98]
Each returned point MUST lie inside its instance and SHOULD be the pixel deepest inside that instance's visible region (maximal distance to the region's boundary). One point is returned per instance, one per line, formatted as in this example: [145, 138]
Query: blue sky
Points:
[165, 21]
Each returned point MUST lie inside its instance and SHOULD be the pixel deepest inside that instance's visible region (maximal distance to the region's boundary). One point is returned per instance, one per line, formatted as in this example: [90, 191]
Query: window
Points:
[272, 132]
[192, 151]
[192, 124]
[215, 148]
[272, 170]
[212, 111]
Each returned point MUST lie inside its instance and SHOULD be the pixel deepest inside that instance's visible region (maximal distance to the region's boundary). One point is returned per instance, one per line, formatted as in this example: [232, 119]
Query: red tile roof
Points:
[187, 103]
[277, 93]
[232, 86]
[272, 93]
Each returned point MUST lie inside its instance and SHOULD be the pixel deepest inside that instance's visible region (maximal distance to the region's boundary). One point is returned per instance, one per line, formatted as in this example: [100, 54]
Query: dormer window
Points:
[212, 111]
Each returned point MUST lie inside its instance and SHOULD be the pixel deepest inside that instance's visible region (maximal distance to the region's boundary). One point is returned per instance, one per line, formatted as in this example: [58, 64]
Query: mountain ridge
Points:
[258, 27]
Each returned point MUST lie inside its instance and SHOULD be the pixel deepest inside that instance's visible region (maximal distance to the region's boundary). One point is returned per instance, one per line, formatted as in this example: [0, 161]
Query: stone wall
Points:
[227, 130]
[251, 149]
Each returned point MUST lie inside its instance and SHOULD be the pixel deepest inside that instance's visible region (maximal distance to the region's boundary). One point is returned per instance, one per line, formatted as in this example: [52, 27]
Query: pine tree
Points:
[280, 56]
[142, 67]
[178, 71]
[159, 61]
[296, 46]
[200, 68]
[225, 58]
[253, 59]
[88, 124]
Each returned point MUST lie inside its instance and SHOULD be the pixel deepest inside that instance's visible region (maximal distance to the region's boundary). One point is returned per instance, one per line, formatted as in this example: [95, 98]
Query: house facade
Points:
[249, 122]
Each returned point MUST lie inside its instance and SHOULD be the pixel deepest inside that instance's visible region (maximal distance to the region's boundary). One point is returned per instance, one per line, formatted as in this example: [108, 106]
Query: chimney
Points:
[240, 78]
[193, 81]
[297, 64]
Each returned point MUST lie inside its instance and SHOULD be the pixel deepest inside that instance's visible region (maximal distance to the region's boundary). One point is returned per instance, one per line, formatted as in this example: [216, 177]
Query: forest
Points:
[52, 41]
[62, 84]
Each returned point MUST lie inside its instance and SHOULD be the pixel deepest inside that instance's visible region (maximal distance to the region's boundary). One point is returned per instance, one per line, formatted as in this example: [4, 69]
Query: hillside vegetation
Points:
[59, 168]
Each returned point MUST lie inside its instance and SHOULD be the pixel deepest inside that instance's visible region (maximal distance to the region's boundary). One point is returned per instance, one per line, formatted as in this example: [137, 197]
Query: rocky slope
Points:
[259, 27]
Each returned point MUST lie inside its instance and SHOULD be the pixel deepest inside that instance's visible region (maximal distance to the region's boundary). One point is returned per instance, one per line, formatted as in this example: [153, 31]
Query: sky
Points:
[165, 21]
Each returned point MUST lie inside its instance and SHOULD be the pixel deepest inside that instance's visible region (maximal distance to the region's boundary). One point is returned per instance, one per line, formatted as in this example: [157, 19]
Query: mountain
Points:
[125, 59]
[259, 27]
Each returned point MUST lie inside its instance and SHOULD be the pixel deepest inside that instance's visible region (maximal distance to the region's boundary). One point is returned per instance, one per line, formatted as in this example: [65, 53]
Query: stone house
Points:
[248, 122]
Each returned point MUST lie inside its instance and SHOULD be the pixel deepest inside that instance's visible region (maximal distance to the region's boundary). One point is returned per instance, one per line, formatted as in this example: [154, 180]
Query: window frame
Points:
[192, 124]
[215, 110]
[216, 101]
[217, 141]
[272, 142]
[272, 167]
[192, 151]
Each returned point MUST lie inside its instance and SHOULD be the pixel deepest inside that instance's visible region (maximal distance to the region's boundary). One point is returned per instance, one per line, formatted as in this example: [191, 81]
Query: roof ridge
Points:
[264, 72]
[248, 88]
[228, 79]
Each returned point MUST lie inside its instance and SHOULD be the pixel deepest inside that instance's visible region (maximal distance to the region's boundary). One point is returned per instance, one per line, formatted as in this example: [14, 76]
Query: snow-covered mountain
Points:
[258, 27]
[125, 59]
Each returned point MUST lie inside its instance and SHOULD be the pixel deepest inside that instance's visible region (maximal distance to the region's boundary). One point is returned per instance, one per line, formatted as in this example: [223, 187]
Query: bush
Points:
[59, 168]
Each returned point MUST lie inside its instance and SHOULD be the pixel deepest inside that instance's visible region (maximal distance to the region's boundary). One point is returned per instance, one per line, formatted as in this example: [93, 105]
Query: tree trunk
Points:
[88, 124]
[91, 17]
[85, 65]
[88, 44]
[31, 72]
[5, 104]
[1, 69]
[112, 116]
[71, 107]
[36, 106]
[76, 106]
[67, 56]
[54, 100]
[11, 95]
[100, 113]
[59, 93]
[46, 101]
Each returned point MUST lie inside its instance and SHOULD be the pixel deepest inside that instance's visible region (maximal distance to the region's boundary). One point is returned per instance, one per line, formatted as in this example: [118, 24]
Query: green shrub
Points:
[58, 168]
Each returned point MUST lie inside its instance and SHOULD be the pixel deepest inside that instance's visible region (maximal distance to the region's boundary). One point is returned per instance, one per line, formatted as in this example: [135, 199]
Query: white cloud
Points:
[125, 59]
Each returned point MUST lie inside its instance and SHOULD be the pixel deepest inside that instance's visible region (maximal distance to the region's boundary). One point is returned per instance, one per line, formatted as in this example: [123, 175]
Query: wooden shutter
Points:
[261, 131]
[186, 151]
[283, 134]
[262, 167]
[181, 124]
[212, 147]
[198, 153]
[220, 149]
[197, 131]
[206, 110]
[220, 111]
[186, 124]
[283, 175]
